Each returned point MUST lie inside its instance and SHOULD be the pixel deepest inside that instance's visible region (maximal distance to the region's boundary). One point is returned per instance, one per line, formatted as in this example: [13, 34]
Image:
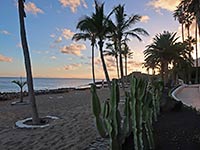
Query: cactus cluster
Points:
[156, 88]
[135, 119]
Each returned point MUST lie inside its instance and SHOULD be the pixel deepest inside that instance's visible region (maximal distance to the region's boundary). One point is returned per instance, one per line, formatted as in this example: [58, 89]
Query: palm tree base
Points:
[20, 103]
[28, 123]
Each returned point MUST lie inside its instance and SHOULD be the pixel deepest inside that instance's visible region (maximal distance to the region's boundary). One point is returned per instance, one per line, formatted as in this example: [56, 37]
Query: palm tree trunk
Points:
[117, 63]
[126, 68]
[103, 63]
[164, 72]
[182, 28]
[188, 30]
[21, 94]
[196, 47]
[121, 65]
[93, 71]
[35, 116]
[153, 70]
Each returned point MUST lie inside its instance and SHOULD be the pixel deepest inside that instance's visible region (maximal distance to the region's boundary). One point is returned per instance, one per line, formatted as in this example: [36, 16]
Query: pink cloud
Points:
[145, 19]
[72, 66]
[169, 5]
[73, 4]
[32, 8]
[5, 59]
[74, 49]
[67, 34]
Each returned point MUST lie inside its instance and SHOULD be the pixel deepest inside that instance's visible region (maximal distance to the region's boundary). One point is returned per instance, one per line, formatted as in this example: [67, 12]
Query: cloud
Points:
[134, 64]
[32, 8]
[19, 45]
[52, 35]
[145, 19]
[169, 5]
[97, 61]
[58, 40]
[5, 59]
[73, 4]
[67, 33]
[74, 49]
[72, 66]
[5, 32]
[53, 57]
[41, 51]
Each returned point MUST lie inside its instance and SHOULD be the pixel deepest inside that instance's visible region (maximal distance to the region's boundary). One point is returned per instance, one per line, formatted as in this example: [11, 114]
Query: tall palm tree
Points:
[127, 54]
[193, 7]
[22, 15]
[179, 15]
[87, 33]
[123, 27]
[97, 26]
[102, 25]
[165, 50]
[112, 51]
[183, 61]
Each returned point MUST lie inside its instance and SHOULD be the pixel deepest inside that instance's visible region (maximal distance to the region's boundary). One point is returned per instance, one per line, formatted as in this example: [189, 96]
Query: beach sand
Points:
[74, 130]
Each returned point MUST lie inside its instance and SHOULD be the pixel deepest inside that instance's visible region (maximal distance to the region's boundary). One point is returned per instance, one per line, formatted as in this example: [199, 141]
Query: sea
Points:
[6, 84]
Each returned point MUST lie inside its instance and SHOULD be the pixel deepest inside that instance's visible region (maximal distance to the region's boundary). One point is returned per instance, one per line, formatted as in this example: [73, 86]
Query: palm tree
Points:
[21, 84]
[113, 52]
[184, 61]
[102, 26]
[97, 27]
[87, 33]
[193, 7]
[22, 15]
[150, 64]
[123, 28]
[179, 15]
[165, 50]
[127, 54]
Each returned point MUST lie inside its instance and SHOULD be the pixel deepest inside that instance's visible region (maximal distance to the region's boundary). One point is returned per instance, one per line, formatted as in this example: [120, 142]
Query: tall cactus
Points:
[136, 119]
[96, 107]
[110, 121]
[156, 89]
[147, 120]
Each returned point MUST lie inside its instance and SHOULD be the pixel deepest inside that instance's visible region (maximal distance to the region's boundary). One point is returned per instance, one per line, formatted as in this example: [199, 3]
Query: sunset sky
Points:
[50, 24]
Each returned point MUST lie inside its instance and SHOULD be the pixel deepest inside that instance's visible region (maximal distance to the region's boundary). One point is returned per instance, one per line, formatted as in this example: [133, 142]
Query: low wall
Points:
[177, 90]
[180, 88]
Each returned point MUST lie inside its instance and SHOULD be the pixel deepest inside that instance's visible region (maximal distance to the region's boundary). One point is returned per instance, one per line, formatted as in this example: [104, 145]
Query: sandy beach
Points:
[74, 130]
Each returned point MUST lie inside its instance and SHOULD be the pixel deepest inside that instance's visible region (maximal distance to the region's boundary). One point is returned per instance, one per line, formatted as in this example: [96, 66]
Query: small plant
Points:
[21, 84]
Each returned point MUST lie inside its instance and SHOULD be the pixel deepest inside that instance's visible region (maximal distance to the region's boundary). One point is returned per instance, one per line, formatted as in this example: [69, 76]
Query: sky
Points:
[50, 26]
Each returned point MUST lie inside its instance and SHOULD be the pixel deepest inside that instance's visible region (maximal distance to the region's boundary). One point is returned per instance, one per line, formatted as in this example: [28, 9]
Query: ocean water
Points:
[6, 84]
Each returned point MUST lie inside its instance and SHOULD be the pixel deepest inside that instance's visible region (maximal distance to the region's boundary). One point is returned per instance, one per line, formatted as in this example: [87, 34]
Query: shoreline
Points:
[4, 96]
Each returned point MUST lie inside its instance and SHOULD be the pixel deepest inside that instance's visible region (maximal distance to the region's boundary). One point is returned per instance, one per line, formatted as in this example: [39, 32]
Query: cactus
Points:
[108, 119]
[141, 104]
[97, 111]
[156, 91]
[147, 119]
[133, 111]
